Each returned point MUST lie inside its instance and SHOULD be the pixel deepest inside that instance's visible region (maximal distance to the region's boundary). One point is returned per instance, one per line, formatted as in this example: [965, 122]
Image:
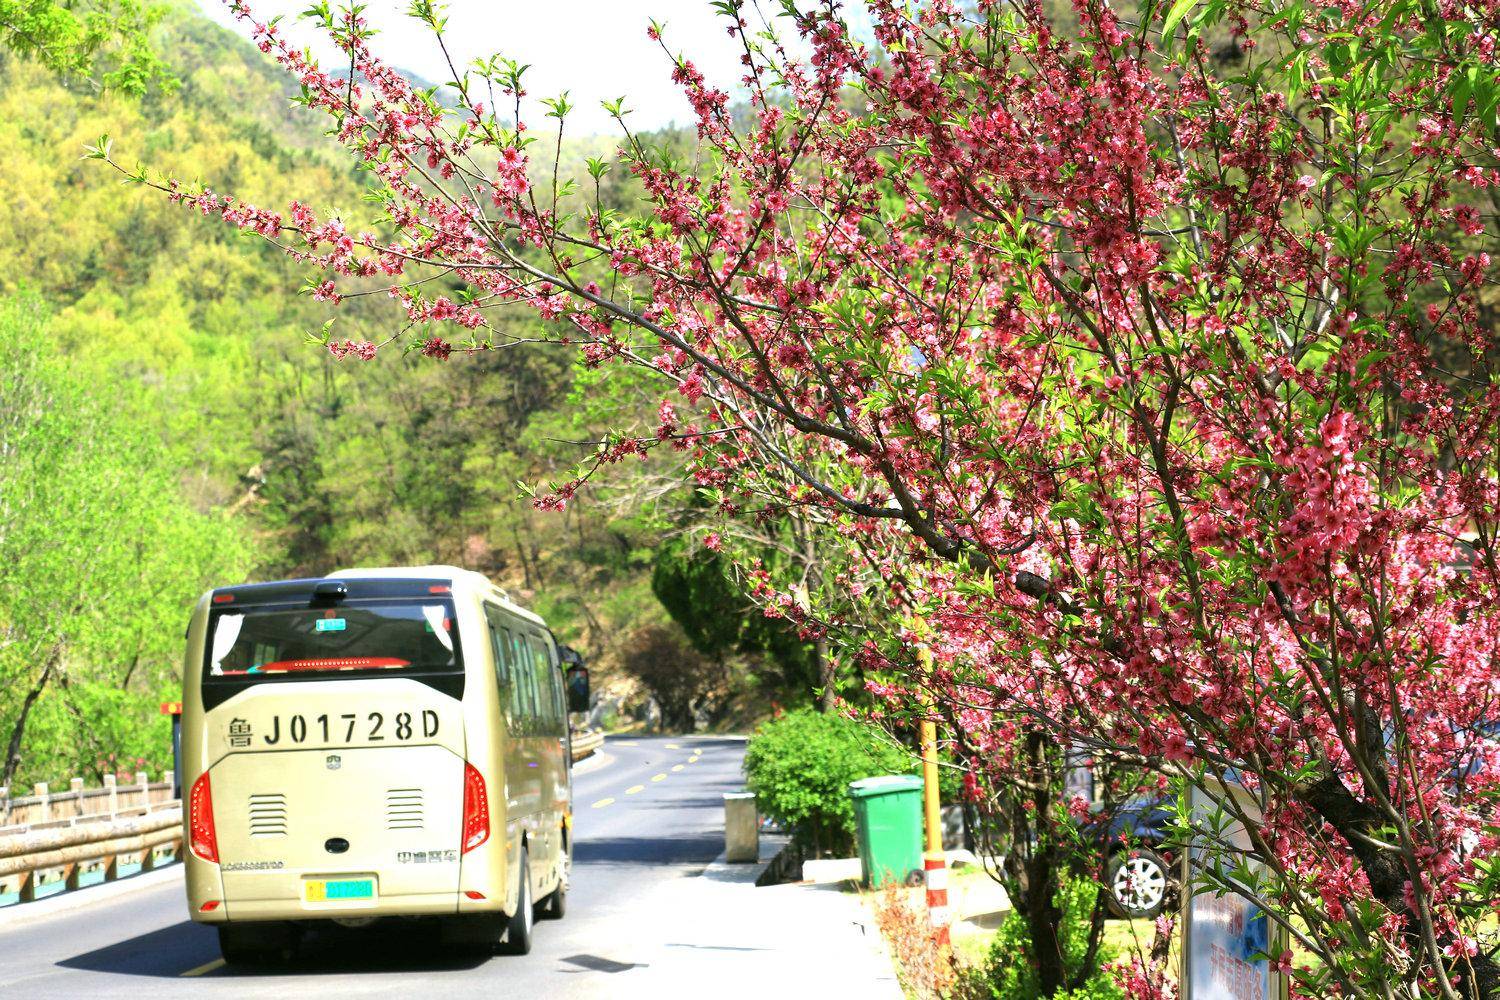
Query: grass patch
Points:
[1132, 939]
[1127, 938]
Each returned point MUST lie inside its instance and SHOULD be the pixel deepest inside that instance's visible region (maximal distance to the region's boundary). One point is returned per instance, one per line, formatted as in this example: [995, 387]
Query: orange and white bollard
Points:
[936, 870]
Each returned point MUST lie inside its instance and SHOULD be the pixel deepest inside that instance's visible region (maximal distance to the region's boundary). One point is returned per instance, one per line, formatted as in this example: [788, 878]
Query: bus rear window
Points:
[365, 638]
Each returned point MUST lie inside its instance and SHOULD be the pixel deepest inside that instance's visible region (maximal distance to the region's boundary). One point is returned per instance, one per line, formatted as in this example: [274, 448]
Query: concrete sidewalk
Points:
[717, 935]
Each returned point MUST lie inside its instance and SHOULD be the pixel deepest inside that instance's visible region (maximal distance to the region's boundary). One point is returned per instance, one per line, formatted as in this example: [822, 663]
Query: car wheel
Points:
[518, 927]
[1137, 882]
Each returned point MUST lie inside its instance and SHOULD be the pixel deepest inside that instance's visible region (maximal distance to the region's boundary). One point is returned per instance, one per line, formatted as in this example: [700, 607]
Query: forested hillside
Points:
[264, 455]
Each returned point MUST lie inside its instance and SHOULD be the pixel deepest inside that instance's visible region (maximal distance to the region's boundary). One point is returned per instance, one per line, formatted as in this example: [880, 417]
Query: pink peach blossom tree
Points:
[1134, 356]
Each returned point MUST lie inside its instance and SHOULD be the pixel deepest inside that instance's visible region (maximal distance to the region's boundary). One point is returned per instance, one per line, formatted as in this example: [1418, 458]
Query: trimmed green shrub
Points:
[800, 765]
[1009, 971]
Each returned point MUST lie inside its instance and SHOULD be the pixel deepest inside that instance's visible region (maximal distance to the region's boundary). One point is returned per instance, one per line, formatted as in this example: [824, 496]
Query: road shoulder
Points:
[721, 930]
[596, 761]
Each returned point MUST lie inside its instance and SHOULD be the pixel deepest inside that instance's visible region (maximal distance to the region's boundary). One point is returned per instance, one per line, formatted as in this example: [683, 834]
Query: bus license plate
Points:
[333, 890]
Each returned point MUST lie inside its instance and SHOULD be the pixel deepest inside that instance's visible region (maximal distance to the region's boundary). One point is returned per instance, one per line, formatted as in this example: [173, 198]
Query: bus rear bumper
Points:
[431, 904]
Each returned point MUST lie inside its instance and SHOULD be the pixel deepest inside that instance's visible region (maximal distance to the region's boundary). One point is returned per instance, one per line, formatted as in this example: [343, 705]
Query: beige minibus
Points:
[372, 744]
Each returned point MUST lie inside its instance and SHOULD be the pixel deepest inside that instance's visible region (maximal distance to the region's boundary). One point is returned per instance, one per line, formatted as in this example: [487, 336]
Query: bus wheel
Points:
[518, 928]
[254, 944]
[555, 903]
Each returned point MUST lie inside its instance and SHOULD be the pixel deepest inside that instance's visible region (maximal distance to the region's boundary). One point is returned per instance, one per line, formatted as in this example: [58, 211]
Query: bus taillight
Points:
[201, 821]
[476, 810]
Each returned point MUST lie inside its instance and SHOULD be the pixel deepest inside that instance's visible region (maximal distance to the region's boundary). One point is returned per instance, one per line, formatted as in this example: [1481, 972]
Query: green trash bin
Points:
[888, 827]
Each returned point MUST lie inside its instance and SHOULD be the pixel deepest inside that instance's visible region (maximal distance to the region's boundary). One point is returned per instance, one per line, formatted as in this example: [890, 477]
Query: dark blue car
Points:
[1134, 837]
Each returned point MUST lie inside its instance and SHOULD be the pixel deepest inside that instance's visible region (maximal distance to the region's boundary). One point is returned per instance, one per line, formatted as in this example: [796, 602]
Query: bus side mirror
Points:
[578, 689]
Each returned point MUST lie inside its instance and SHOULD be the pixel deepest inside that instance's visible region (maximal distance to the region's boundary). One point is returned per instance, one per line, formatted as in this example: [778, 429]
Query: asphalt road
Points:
[635, 838]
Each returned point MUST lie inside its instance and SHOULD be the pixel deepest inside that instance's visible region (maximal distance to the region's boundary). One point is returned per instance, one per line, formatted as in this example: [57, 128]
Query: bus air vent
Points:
[268, 815]
[403, 809]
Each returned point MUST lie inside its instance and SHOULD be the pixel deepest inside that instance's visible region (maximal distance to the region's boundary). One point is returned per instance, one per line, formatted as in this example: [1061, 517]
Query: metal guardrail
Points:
[70, 854]
[586, 744]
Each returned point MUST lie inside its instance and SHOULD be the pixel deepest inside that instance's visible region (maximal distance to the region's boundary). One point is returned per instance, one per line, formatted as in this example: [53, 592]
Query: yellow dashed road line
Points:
[677, 767]
[206, 967]
[673, 746]
[658, 777]
[635, 788]
[602, 803]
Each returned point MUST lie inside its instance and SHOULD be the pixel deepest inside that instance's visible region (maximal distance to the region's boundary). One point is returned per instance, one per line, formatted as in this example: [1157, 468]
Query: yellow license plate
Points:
[336, 890]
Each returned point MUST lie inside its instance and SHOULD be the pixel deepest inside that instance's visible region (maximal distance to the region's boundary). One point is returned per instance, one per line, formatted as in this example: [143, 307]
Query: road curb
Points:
[596, 761]
[67, 902]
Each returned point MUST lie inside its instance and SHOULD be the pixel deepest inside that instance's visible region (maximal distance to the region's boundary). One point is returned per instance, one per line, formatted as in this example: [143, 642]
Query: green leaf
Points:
[1174, 15]
[1462, 88]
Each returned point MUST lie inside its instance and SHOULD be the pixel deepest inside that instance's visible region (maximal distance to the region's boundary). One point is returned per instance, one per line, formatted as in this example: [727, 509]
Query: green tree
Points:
[106, 41]
[676, 674]
[100, 554]
[692, 584]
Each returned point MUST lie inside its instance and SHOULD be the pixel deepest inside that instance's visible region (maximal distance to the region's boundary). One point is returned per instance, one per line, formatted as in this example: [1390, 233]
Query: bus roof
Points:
[462, 578]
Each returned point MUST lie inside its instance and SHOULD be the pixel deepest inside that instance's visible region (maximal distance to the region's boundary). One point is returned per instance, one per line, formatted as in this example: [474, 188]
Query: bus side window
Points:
[560, 723]
[525, 682]
[543, 722]
[494, 628]
[538, 699]
[514, 693]
[542, 671]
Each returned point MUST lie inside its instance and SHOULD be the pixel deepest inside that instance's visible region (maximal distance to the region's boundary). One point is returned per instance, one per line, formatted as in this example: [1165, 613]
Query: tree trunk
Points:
[17, 731]
[1043, 919]
[1038, 903]
[521, 557]
[824, 664]
[135, 661]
